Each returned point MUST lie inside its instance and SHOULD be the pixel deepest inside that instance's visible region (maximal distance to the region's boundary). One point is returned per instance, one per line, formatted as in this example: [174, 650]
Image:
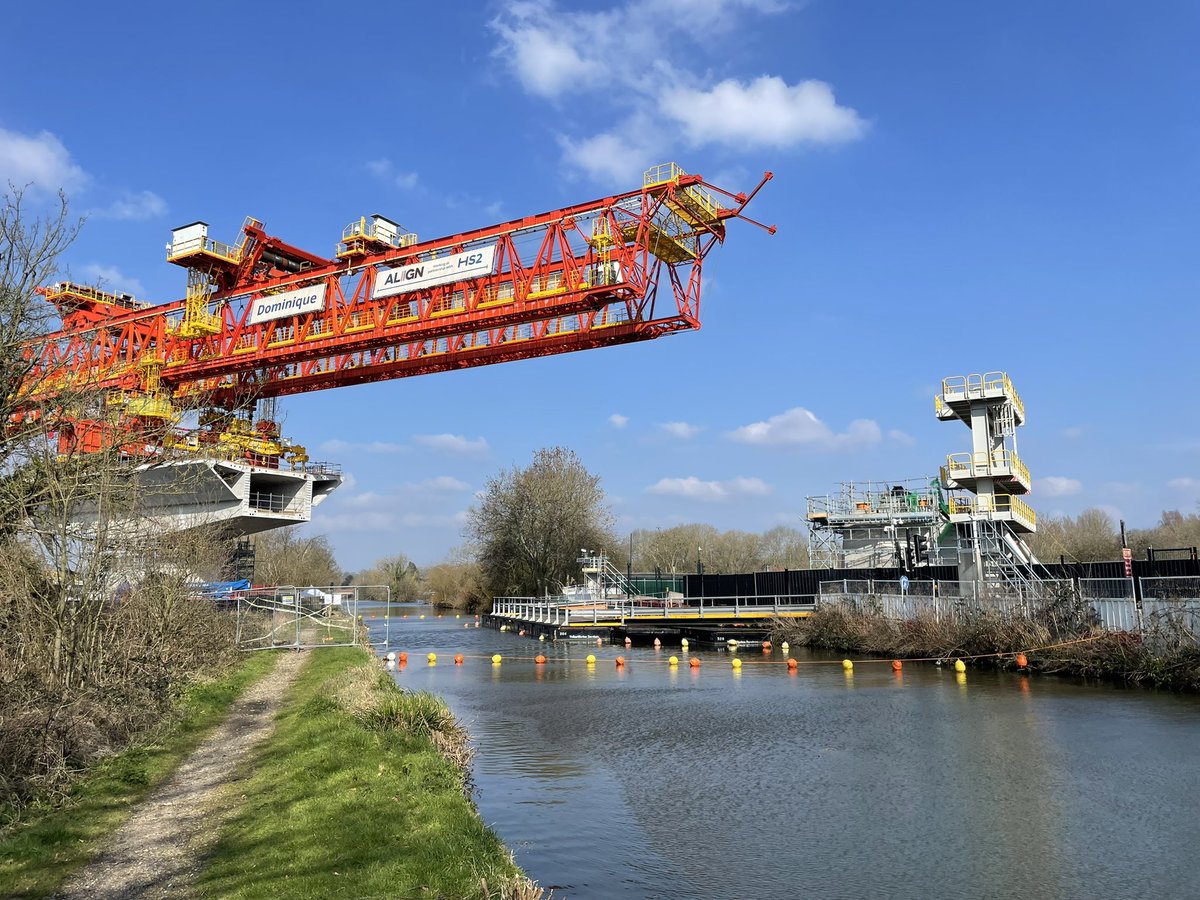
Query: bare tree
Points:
[1089, 537]
[457, 582]
[783, 548]
[531, 524]
[398, 572]
[285, 556]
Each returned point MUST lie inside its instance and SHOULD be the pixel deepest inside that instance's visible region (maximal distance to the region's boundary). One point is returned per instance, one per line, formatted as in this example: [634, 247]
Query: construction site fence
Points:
[1163, 611]
[292, 617]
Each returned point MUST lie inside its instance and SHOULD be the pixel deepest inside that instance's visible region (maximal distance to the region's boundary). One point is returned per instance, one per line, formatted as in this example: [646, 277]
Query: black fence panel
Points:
[800, 581]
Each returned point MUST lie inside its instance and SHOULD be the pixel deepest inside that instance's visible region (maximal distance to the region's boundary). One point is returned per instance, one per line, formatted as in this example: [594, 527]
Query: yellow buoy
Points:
[847, 665]
[496, 659]
[785, 647]
[432, 657]
[422, 615]
[737, 663]
[591, 659]
[504, 628]
[541, 637]
[960, 666]
[684, 643]
[457, 616]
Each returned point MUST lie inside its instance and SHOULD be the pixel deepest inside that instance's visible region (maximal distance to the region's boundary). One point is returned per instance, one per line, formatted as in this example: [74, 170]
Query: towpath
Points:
[157, 852]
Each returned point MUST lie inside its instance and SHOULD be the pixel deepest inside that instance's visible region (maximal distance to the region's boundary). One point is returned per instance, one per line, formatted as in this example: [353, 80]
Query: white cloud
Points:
[443, 483]
[1059, 486]
[543, 60]
[133, 206]
[384, 170]
[336, 446]
[800, 426]
[358, 521]
[668, 98]
[617, 156]
[1189, 485]
[1122, 487]
[40, 160]
[616, 420]
[709, 491]
[902, 437]
[1073, 432]
[452, 443]
[682, 430]
[110, 278]
[766, 112]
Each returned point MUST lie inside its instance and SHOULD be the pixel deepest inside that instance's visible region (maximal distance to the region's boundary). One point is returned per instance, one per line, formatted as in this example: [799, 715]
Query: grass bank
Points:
[360, 792]
[46, 844]
[1170, 661]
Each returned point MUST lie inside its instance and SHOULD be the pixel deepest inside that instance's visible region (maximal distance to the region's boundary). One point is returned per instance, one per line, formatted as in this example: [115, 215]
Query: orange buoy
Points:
[628, 642]
[539, 659]
[792, 664]
[458, 659]
[766, 645]
[620, 662]
[897, 665]
[657, 642]
[694, 663]
[1022, 662]
[521, 633]
[403, 657]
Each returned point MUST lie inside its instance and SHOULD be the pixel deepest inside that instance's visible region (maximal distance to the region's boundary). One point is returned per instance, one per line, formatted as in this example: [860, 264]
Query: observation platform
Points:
[995, 508]
[960, 391]
[1004, 467]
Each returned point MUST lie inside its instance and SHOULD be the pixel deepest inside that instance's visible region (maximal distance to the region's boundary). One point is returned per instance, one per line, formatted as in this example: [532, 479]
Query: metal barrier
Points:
[558, 613]
[301, 618]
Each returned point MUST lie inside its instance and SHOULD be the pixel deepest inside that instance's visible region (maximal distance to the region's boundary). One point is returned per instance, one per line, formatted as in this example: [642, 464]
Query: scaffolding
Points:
[880, 524]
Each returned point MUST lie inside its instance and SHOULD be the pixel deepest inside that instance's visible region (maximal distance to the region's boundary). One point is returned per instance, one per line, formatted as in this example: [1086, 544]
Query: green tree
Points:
[531, 524]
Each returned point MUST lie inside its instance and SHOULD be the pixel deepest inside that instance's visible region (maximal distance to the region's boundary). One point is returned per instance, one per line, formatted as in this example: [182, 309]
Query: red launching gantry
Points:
[263, 319]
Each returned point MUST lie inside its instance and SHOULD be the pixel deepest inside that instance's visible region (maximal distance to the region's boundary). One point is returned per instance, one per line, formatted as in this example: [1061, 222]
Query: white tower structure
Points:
[984, 505]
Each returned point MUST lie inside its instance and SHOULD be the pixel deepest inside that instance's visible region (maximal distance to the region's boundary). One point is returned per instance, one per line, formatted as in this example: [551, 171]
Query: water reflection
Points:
[651, 782]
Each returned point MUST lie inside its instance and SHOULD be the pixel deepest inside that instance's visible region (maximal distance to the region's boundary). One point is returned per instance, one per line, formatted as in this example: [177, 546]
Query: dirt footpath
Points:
[157, 852]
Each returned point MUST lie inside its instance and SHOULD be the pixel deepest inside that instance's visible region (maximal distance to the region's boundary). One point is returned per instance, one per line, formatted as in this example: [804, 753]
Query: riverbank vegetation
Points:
[361, 791]
[51, 839]
[1054, 641]
[99, 637]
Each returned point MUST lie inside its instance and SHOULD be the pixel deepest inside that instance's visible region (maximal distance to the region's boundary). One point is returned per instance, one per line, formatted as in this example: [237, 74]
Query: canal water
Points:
[649, 781]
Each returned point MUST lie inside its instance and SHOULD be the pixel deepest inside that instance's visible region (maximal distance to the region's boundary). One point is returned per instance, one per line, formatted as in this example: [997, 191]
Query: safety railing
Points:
[264, 502]
[558, 613]
[64, 288]
[204, 245]
[985, 464]
[968, 387]
[990, 505]
[370, 230]
[696, 202]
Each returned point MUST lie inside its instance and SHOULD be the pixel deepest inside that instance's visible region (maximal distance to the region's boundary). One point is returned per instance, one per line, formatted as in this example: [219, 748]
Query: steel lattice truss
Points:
[616, 270]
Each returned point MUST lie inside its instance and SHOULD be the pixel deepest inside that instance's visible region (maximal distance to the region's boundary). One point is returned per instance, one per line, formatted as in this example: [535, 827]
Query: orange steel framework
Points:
[584, 276]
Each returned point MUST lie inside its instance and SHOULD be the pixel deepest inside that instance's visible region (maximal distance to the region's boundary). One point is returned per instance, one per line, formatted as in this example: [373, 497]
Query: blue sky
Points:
[959, 188]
